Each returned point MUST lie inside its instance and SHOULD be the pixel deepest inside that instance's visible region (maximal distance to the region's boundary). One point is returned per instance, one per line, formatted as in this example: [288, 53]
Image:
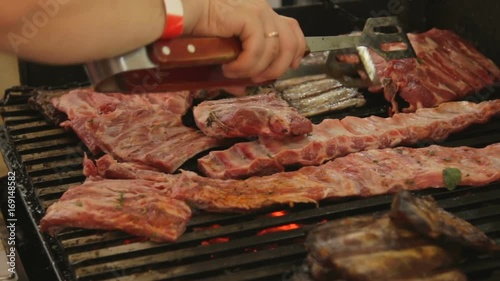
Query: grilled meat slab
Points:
[138, 207]
[42, 102]
[334, 138]
[320, 96]
[374, 250]
[367, 173]
[447, 68]
[402, 244]
[425, 217]
[250, 116]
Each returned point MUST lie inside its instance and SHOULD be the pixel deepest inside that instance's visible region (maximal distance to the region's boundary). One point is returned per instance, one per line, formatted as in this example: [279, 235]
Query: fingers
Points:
[292, 50]
[302, 45]
[258, 51]
[262, 58]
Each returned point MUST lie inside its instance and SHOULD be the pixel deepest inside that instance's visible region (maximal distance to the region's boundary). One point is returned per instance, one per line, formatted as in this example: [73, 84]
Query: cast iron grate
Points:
[266, 245]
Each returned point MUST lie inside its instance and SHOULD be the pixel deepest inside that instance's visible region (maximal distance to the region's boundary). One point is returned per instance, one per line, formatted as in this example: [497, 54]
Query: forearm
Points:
[76, 31]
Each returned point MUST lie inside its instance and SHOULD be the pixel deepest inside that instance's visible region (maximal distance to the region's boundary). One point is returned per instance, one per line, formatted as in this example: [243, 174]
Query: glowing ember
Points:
[279, 228]
[134, 240]
[201, 228]
[214, 241]
[277, 214]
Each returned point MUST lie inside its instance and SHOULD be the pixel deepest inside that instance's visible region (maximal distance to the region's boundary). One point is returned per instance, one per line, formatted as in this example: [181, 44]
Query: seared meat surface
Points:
[424, 215]
[387, 247]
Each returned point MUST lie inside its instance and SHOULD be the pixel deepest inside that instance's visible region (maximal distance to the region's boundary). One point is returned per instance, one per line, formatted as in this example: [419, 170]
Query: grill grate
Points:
[215, 246]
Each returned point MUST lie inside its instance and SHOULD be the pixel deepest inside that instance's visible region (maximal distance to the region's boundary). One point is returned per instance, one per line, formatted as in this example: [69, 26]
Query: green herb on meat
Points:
[409, 182]
[121, 200]
[451, 177]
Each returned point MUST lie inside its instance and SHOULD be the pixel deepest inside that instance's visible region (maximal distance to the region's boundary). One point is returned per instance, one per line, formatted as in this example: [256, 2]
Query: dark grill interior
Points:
[261, 246]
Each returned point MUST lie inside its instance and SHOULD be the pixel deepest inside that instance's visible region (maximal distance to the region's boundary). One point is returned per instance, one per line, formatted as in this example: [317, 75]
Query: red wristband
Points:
[174, 19]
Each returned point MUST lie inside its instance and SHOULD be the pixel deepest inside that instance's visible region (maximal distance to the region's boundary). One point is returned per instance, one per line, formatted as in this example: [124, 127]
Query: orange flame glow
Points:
[279, 228]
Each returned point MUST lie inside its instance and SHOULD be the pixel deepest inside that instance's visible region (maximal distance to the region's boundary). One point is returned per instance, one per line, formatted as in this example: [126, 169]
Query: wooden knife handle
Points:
[190, 52]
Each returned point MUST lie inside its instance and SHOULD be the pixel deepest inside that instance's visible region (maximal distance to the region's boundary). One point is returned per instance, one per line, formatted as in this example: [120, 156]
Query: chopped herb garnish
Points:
[432, 152]
[79, 203]
[121, 199]
[409, 182]
[451, 177]
[447, 159]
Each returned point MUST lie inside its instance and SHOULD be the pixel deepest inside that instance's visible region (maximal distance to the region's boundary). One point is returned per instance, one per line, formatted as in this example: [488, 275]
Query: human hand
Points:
[264, 56]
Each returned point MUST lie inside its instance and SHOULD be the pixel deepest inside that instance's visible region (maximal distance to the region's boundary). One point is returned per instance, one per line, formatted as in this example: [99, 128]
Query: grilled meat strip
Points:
[424, 216]
[42, 102]
[334, 138]
[402, 244]
[447, 68]
[319, 96]
[138, 207]
[250, 116]
[374, 250]
[282, 85]
[367, 173]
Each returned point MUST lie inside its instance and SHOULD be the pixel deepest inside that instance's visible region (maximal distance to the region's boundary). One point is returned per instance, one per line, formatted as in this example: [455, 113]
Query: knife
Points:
[187, 63]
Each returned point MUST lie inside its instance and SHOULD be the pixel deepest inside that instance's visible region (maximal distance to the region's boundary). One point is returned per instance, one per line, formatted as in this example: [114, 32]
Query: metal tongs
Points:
[195, 63]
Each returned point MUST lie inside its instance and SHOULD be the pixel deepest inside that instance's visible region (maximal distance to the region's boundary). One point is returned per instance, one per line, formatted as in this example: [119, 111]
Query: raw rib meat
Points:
[137, 207]
[250, 116]
[148, 137]
[144, 129]
[367, 173]
[83, 104]
[108, 168]
[447, 69]
[335, 138]
[158, 209]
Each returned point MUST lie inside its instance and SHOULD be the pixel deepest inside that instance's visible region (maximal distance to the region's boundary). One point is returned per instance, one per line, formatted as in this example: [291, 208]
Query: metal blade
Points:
[328, 43]
[304, 70]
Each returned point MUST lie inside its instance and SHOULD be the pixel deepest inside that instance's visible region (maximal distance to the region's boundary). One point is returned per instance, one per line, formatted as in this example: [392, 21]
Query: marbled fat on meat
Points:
[447, 68]
[138, 207]
[145, 128]
[334, 138]
[367, 173]
[250, 116]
